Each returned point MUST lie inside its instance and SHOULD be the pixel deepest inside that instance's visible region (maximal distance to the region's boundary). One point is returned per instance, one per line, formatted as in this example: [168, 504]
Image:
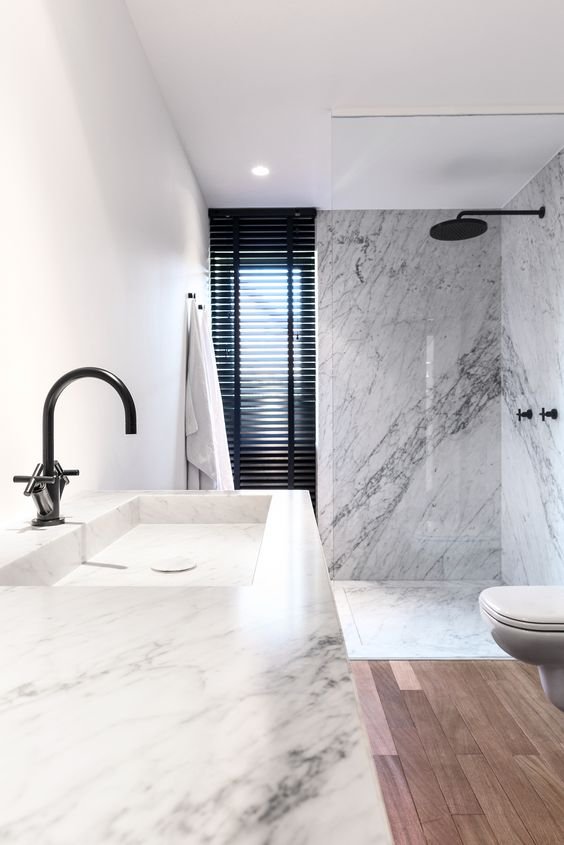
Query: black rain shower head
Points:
[459, 229]
[464, 227]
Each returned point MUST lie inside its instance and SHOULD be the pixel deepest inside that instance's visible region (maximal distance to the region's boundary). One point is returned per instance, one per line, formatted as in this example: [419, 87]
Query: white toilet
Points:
[528, 623]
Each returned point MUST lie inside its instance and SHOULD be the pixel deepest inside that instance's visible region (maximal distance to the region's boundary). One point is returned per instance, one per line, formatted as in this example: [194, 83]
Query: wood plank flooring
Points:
[466, 752]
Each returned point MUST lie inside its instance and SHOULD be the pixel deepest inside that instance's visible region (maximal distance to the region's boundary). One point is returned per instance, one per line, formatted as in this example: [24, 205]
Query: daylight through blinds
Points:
[262, 270]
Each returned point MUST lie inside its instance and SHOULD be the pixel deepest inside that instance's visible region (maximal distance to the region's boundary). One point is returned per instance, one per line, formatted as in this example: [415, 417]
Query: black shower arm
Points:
[476, 212]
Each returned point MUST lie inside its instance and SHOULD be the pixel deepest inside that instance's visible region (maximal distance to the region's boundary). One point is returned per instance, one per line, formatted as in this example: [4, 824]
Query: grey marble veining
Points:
[409, 394]
[325, 377]
[193, 715]
[533, 376]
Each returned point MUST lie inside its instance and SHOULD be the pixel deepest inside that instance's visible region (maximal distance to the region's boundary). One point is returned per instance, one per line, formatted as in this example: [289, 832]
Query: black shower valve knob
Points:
[526, 414]
[552, 414]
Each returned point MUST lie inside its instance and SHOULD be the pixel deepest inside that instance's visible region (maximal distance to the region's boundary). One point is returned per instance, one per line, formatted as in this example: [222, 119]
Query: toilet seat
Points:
[528, 624]
[527, 608]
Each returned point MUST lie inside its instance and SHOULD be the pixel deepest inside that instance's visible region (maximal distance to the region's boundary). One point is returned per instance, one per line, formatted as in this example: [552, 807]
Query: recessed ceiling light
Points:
[260, 170]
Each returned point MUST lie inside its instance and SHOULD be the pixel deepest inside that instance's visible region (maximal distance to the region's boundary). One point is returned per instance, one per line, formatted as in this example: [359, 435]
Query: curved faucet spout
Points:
[49, 479]
[55, 392]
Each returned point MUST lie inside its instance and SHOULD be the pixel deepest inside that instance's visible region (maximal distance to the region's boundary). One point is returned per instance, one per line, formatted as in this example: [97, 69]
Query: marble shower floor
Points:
[413, 620]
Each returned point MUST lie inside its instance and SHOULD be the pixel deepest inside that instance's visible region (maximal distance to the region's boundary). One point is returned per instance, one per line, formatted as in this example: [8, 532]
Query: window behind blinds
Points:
[262, 273]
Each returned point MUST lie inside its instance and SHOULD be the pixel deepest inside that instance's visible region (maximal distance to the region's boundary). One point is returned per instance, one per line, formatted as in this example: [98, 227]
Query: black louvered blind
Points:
[262, 272]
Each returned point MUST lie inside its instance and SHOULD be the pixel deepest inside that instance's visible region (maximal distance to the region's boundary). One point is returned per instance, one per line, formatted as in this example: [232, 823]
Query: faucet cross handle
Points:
[35, 480]
[552, 414]
[63, 475]
[37, 487]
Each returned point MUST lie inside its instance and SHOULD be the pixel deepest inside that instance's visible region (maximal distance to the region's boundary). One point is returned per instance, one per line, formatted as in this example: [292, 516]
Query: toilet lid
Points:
[534, 608]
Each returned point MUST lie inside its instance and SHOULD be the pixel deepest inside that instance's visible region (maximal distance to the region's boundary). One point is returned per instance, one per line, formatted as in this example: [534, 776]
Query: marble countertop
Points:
[199, 715]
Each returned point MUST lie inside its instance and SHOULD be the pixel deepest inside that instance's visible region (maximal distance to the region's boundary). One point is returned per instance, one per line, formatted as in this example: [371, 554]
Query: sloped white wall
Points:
[103, 229]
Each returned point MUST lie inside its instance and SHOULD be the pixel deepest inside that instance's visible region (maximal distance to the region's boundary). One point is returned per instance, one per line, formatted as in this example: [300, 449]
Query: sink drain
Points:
[177, 564]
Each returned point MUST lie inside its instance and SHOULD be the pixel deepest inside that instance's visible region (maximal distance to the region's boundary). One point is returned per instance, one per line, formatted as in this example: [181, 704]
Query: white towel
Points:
[207, 451]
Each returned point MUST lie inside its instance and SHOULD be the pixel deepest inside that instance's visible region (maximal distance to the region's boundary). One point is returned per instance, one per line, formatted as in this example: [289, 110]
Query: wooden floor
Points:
[466, 752]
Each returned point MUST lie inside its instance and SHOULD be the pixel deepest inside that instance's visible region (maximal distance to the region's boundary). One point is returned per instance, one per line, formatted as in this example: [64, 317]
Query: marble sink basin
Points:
[209, 539]
[204, 713]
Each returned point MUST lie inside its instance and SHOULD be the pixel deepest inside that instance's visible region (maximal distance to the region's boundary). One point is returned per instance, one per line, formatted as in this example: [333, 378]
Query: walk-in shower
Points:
[430, 489]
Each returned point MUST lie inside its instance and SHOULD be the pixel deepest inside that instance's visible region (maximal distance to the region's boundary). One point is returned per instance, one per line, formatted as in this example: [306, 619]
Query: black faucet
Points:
[49, 479]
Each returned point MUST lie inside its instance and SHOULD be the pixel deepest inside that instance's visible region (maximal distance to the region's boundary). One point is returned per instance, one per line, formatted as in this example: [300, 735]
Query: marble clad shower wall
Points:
[533, 376]
[409, 398]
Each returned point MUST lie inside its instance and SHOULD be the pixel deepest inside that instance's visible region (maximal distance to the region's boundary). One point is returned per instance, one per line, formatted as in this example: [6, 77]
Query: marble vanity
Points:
[207, 706]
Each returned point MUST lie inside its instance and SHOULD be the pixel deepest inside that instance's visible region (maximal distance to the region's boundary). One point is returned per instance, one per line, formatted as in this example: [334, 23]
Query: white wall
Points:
[102, 231]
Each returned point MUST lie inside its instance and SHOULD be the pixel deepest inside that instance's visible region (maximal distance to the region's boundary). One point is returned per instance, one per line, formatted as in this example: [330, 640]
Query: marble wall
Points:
[409, 398]
[533, 376]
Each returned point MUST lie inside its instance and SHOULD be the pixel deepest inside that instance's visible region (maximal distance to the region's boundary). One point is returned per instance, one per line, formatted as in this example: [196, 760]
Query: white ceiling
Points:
[250, 81]
[439, 162]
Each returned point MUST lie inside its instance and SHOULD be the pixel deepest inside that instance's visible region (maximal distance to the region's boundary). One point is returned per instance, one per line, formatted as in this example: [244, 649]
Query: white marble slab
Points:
[189, 715]
[202, 508]
[533, 377]
[413, 620]
[33, 556]
[224, 556]
[409, 391]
